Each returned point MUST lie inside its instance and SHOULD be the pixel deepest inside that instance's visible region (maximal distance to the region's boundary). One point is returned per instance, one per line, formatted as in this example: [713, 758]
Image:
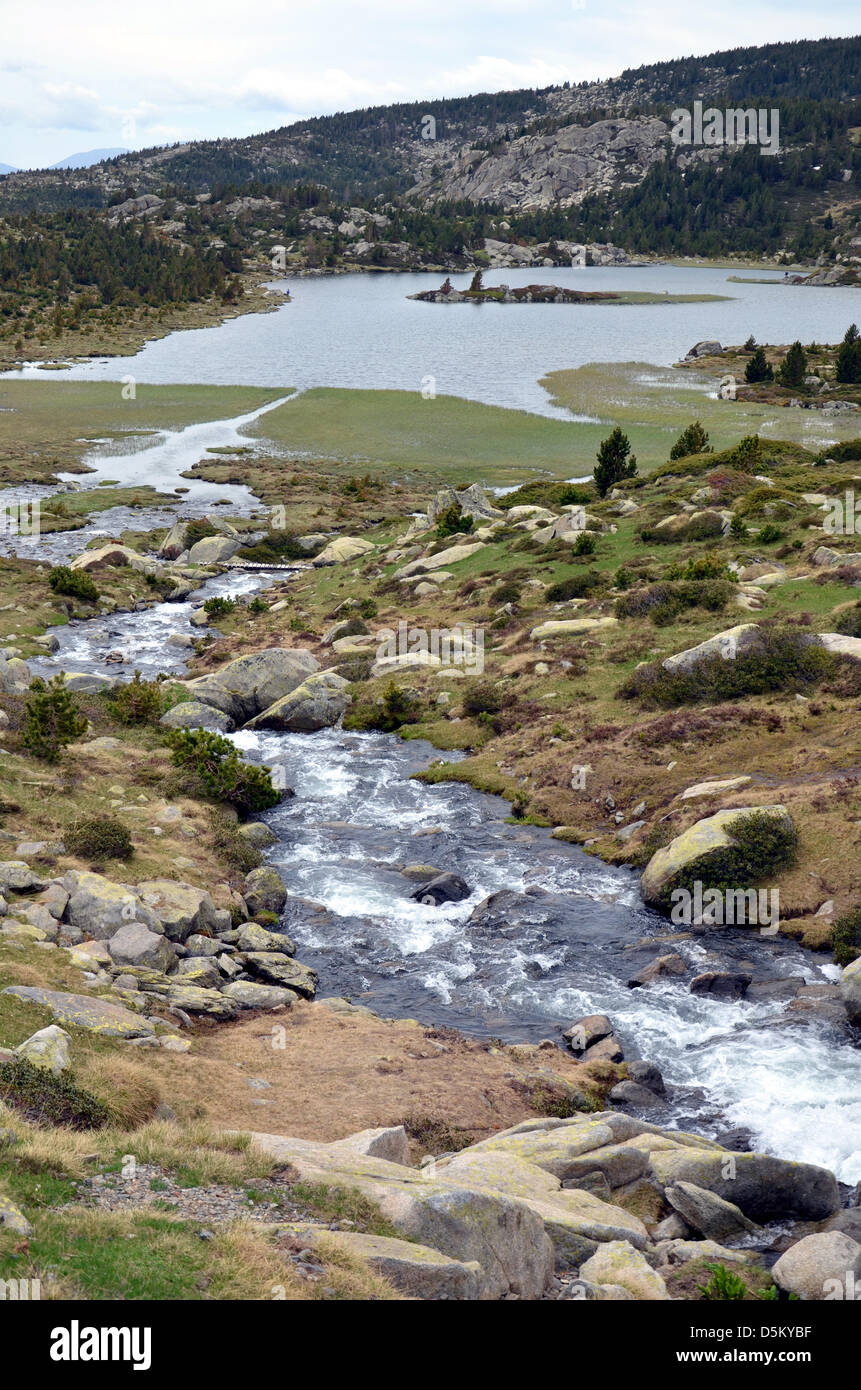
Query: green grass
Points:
[457, 440]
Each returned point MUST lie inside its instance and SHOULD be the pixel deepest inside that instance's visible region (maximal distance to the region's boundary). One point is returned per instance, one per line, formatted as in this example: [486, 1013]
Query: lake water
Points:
[361, 330]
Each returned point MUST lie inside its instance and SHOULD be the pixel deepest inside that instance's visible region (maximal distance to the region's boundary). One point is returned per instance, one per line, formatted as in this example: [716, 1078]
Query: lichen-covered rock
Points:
[82, 1011]
[252, 937]
[17, 876]
[342, 550]
[278, 969]
[821, 1266]
[415, 1270]
[618, 1262]
[250, 684]
[318, 703]
[13, 1219]
[264, 890]
[15, 676]
[734, 642]
[191, 714]
[195, 999]
[258, 834]
[179, 907]
[213, 550]
[100, 907]
[763, 1187]
[850, 991]
[135, 944]
[706, 1212]
[696, 844]
[48, 1049]
[250, 994]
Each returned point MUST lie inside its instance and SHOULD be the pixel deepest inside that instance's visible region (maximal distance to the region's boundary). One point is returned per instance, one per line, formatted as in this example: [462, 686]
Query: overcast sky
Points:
[97, 74]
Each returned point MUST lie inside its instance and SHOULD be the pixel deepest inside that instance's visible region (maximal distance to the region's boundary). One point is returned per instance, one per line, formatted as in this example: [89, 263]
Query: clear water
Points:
[361, 330]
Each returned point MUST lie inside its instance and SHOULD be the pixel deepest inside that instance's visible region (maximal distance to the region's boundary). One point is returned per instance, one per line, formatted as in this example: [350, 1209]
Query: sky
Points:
[96, 74]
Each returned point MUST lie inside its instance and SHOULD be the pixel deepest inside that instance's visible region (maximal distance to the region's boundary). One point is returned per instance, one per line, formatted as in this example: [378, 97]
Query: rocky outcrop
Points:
[736, 641]
[824, 1265]
[192, 714]
[213, 550]
[95, 1015]
[342, 550]
[48, 1049]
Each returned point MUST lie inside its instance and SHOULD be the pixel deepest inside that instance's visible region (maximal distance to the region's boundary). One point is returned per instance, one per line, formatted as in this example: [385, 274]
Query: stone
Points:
[258, 834]
[671, 964]
[193, 999]
[696, 844]
[427, 563]
[840, 645]
[250, 684]
[706, 1212]
[175, 542]
[318, 703]
[416, 1270]
[608, 1050]
[721, 984]
[213, 550]
[587, 1031]
[391, 1143]
[198, 970]
[197, 945]
[112, 555]
[618, 1263]
[99, 907]
[191, 714]
[632, 1093]
[342, 550]
[180, 908]
[135, 944]
[648, 1075]
[171, 1042]
[820, 1266]
[252, 937]
[48, 1049]
[264, 890]
[15, 676]
[94, 1015]
[443, 888]
[850, 991]
[734, 642]
[716, 788]
[570, 627]
[763, 1187]
[278, 969]
[504, 1236]
[13, 1219]
[17, 876]
[250, 994]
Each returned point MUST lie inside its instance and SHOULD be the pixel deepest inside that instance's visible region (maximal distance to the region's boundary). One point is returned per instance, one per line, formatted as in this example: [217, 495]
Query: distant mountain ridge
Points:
[87, 158]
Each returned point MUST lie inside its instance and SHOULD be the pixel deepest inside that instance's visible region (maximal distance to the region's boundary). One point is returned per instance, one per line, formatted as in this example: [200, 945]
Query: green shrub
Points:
[214, 769]
[45, 1099]
[394, 708]
[785, 661]
[452, 522]
[845, 937]
[73, 583]
[218, 607]
[229, 845]
[482, 698]
[585, 544]
[52, 719]
[724, 1286]
[849, 623]
[368, 608]
[762, 846]
[507, 593]
[575, 586]
[101, 837]
[664, 601]
[137, 702]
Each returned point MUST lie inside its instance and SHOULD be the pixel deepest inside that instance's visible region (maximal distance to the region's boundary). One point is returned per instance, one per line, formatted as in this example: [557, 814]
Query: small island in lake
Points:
[479, 293]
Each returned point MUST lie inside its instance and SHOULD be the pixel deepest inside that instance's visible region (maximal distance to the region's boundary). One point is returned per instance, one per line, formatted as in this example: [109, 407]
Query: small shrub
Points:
[230, 846]
[575, 586]
[482, 698]
[137, 702]
[218, 607]
[387, 714]
[507, 593]
[52, 719]
[693, 440]
[845, 937]
[452, 522]
[762, 846]
[783, 662]
[585, 544]
[101, 837]
[770, 533]
[724, 1286]
[45, 1099]
[215, 770]
[73, 583]
[849, 623]
[368, 608]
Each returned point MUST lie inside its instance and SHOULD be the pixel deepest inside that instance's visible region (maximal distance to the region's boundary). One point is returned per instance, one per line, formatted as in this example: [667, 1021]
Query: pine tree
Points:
[615, 461]
[693, 440]
[849, 357]
[758, 368]
[52, 719]
[793, 367]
